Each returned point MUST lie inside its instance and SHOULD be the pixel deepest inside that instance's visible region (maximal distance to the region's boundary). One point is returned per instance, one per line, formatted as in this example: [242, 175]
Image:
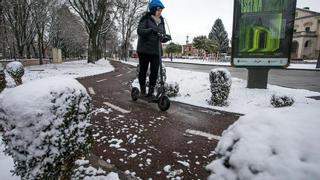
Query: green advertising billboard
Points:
[262, 32]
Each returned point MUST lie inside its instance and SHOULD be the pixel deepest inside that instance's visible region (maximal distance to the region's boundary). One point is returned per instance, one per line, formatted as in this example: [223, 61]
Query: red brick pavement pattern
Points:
[145, 141]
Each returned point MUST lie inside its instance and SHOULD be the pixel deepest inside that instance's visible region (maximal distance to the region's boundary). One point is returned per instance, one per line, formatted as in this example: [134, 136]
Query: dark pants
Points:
[144, 60]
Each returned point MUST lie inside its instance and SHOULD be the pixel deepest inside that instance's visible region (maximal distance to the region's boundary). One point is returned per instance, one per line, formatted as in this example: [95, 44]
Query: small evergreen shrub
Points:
[46, 128]
[16, 71]
[172, 89]
[281, 101]
[220, 80]
[164, 75]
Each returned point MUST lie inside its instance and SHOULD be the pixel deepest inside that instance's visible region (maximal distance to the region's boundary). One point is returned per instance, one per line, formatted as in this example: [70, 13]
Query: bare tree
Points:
[17, 14]
[2, 31]
[67, 33]
[94, 13]
[41, 16]
[129, 15]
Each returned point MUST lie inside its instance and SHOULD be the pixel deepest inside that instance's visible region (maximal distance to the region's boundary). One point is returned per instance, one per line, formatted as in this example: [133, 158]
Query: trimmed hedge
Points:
[45, 124]
[220, 80]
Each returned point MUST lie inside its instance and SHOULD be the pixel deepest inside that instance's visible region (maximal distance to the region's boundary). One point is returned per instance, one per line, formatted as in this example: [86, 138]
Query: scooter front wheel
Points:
[135, 94]
[164, 103]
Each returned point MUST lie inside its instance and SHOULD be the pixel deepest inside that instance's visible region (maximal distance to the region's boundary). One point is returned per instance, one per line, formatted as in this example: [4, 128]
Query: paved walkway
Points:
[137, 138]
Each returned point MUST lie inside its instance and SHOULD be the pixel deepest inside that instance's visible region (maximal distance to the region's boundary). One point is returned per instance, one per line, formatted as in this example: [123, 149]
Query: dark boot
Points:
[150, 91]
[143, 90]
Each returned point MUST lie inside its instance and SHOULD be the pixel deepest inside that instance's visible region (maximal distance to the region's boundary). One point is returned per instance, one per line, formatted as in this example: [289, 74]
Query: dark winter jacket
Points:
[148, 41]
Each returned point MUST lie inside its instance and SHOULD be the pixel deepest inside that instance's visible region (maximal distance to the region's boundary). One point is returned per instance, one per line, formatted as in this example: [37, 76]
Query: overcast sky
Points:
[196, 17]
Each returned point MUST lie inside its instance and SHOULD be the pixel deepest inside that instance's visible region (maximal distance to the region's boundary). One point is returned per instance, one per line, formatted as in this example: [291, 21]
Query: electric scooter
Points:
[161, 98]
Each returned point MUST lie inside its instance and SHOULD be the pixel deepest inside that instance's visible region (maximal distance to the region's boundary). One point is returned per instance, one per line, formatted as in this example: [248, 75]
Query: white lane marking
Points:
[117, 108]
[119, 75]
[101, 80]
[203, 134]
[91, 91]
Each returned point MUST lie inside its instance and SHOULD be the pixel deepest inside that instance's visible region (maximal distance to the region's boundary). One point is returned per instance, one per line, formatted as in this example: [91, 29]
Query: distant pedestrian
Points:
[150, 29]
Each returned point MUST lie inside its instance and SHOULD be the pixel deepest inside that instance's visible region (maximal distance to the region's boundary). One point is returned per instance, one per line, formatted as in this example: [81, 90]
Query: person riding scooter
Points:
[151, 30]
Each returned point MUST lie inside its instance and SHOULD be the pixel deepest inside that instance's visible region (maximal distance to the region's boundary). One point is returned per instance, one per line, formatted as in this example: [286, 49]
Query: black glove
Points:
[165, 38]
[153, 31]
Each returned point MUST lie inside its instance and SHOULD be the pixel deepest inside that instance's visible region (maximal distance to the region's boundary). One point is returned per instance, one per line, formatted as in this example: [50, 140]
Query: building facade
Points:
[306, 36]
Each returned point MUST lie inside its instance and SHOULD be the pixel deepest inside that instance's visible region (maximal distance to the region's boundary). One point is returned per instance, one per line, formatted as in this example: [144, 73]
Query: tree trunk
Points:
[14, 53]
[43, 50]
[125, 50]
[4, 50]
[29, 52]
[93, 47]
[40, 51]
[3, 81]
[21, 51]
[34, 50]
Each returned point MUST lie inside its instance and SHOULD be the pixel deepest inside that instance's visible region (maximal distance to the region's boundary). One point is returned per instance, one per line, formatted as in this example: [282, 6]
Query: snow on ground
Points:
[275, 144]
[6, 164]
[219, 63]
[195, 89]
[198, 61]
[302, 66]
[290, 133]
[265, 143]
[73, 69]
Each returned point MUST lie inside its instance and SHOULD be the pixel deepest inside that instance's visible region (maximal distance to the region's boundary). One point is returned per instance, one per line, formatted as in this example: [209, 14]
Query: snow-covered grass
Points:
[273, 143]
[219, 63]
[267, 142]
[290, 133]
[195, 89]
[74, 69]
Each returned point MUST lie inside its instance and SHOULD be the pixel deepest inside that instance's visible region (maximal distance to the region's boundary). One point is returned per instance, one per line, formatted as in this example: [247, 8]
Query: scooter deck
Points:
[148, 99]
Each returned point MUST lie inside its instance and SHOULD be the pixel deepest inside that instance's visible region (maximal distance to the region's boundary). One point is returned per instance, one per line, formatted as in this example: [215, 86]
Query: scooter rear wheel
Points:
[164, 103]
[135, 94]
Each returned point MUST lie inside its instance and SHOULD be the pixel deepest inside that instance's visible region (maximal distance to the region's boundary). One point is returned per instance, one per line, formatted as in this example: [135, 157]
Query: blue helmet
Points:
[155, 4]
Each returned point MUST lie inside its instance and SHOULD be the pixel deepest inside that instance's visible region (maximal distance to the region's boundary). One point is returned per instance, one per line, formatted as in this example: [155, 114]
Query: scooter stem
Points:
[160, 61]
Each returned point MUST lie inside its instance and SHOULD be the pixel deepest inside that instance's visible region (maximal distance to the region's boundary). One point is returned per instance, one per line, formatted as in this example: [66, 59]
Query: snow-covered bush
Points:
[45, 125]
[164, 74]
[281, 101]
[16, 71]
[270, 145]
[220, 80]
[172, 89]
